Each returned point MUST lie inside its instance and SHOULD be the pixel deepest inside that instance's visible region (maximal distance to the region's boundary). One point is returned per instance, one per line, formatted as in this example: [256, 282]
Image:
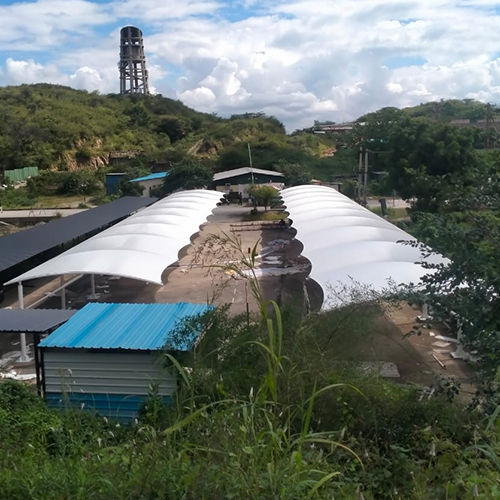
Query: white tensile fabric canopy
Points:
[139, 247]
[349, 246]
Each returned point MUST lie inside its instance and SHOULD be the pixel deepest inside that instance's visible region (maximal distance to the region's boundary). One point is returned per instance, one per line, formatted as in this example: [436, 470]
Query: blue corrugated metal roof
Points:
[126, 326]
[150, 177]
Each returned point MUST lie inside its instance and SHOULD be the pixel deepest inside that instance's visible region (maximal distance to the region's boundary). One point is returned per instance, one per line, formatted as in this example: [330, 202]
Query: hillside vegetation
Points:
[267, 410]
[58, 128]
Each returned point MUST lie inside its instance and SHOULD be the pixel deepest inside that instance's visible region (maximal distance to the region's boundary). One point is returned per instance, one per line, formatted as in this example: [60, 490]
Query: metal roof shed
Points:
[105, 358]
[26, 249]
[32, 320]
[150, 182]
[140, 247]
[35, 322]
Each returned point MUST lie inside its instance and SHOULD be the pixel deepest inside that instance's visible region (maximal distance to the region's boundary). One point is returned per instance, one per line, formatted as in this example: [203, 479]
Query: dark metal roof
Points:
[18, 247]
[33, 320]
[236, 172]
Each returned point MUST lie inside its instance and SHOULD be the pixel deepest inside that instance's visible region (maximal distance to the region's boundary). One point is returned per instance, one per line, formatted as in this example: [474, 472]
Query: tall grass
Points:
[274, 437]
[262, 411]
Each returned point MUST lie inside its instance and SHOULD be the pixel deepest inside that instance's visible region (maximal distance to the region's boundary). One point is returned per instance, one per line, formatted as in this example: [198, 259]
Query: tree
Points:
[138, 114]
[466, 289]
[127, 188]
[375, 128]
[263, 194]
[78, 182]
[421, 157]
[187, 175]
[175, 128]
[424, 158]
[295, 174]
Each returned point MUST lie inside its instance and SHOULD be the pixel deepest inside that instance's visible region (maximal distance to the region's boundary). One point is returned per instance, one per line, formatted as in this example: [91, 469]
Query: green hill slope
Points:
[59, 128]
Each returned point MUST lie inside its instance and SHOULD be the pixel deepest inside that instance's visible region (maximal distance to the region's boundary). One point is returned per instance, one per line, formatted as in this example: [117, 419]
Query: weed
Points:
[265, 410]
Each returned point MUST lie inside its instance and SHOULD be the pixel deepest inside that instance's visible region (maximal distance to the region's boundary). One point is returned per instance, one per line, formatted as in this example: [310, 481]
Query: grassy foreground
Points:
[266, 410]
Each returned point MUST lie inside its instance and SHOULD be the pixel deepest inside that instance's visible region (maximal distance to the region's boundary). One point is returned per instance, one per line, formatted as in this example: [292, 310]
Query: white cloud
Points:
[395, 88]
[17, 72]
[34, 26]
[477, 78]
[297, 59]
[200, 98]
[86, 78]
[156, 11]
[337, 54]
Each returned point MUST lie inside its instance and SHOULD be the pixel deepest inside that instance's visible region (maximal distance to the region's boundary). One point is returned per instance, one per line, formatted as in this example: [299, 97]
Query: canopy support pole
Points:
[425, 316]
[460, 352]
[365, 178]
[360, 174]
[63, 293]
[24, 351]
[57, 290]
[92, 287]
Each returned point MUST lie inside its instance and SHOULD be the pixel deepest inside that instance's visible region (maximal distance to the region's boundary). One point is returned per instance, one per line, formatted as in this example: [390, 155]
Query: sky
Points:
[298, 60]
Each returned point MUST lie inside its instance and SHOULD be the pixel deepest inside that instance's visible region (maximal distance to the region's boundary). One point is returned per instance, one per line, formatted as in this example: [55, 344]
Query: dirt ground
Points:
[431, 353]
[282, 273]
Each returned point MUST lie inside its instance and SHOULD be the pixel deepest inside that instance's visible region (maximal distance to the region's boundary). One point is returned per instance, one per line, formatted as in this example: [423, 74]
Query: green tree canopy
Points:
[466, 229]
[425, 157]
[295, 174]
[176, 128]
[421, 157]
[187, 175]
[263, 194]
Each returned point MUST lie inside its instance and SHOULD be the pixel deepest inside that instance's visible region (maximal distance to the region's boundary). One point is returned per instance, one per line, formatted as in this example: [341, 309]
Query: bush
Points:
[83, 155]
[264, 411]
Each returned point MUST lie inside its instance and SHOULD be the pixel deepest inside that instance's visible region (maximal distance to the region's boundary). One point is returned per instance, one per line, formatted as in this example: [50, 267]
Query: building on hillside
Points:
[332, 128]
[333, 184]
[150, 182]
[113, 180]
[240, 179]
[106, 357]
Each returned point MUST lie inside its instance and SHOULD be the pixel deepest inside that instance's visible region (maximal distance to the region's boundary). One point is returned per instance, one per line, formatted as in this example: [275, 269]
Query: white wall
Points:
[92, 371]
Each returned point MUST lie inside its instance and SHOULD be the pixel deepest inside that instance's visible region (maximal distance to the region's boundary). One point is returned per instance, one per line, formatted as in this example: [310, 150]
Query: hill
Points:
[449, 111]
[59, 128]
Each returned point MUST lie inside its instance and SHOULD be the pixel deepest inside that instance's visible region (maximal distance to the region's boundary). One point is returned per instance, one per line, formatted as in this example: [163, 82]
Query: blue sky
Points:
[299, 60]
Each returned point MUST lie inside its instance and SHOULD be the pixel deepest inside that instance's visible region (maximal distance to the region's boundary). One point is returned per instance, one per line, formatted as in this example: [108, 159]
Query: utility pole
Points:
[250, 160]
[360, 173]
[365, 178]
[490, 129]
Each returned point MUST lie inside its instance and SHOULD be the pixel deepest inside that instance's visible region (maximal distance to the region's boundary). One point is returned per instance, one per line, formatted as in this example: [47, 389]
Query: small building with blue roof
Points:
[150, 182]
[106, 357]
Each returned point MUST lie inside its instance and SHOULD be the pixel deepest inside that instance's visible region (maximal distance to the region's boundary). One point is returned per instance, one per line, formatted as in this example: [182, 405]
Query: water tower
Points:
[132, 65]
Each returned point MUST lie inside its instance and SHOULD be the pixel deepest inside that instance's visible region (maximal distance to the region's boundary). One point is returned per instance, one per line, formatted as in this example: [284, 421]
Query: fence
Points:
[20, 174]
